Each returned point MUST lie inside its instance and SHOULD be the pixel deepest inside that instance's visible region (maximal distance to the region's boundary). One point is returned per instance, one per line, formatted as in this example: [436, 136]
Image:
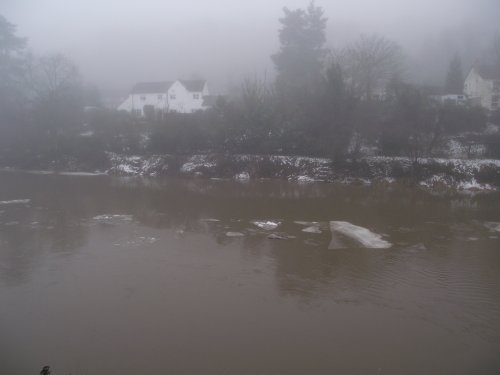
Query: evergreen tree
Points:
[11, 69]
[455, 77]
[302, 37]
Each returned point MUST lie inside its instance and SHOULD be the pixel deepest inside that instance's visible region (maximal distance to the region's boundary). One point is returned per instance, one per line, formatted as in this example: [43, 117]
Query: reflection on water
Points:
[109, 275]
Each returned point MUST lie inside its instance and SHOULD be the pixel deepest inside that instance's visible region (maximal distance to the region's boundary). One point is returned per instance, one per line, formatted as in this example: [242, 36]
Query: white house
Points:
[451, 99]
[482, 86]
[183, 96]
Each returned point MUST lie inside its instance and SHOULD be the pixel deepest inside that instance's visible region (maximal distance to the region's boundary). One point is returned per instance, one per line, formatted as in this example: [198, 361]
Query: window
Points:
[196, 96]
[143, 98]
[160, 97]
[172, 96]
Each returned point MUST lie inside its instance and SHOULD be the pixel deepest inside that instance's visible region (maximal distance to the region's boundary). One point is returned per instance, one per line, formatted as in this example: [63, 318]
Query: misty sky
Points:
[118, 42]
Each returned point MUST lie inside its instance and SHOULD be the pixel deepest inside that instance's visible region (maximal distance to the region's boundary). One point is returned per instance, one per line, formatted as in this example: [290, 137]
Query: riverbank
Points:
[429, 173]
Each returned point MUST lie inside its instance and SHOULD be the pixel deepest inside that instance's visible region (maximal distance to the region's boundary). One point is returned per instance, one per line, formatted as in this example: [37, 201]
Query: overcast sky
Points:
[118, 42]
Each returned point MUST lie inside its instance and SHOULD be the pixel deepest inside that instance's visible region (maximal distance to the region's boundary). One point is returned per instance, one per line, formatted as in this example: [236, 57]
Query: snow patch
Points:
[243, 176]
[305, 179]
[82, 174]
[196, 162]
[473, 185]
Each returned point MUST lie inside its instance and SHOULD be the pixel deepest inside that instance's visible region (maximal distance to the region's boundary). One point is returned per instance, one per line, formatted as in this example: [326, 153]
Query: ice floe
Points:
[106, 217]
[16, 201]
[492, 226]
[361, 235]
[243, 176]
[312, 229]
[280, 236]
[266, 225]
[83, 174]
[234, 234]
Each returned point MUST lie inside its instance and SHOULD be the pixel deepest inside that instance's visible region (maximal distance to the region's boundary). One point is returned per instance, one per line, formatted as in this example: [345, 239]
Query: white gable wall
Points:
[479, 90]
[184, 101]
[177, 99]
[135, 103]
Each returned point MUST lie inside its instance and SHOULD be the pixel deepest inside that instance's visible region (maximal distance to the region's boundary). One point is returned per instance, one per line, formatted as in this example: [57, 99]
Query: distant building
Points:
[482, 86]
[451, 99]
[183, 96]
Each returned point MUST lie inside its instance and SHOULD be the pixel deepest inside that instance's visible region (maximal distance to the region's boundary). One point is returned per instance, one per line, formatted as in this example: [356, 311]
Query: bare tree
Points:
[371, 62]
[496, 50]
[52, 76]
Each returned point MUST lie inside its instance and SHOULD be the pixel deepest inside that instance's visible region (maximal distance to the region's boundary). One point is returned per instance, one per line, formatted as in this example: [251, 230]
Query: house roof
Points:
[488, 71]
[151, 87]
[195, 85]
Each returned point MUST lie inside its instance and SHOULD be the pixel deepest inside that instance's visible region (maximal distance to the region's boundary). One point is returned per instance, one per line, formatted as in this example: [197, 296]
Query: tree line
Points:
[335, 104]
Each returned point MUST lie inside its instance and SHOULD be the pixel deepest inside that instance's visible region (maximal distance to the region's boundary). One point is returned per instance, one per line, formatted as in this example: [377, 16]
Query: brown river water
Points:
[106, 275]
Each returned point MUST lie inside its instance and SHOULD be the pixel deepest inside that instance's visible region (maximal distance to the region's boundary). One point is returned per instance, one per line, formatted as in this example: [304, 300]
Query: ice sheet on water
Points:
[280, 236]
[363, 236]
[234, 234]
[312, 229]
[492, 226]
[107, 217]
[266, 224]
[83, 174]
[16, 201]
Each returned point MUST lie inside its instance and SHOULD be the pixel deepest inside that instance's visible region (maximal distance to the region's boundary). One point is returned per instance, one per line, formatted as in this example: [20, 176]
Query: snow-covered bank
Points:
[461, 174]
[428, 173]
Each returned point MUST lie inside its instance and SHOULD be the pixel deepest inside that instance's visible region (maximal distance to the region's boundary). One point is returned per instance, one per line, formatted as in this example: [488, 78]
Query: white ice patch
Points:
[266, 225]
[113, 217]
[305, 179]
[474, 185]
[16, 201]
[195, 162]
[243, 176]
[359, 234]
[234, 234]
[280, 236]
[493, 226]
[82, 173]
[312, 229]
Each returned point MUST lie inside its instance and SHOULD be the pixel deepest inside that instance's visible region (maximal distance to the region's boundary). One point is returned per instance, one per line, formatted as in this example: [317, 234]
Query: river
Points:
[107, 275]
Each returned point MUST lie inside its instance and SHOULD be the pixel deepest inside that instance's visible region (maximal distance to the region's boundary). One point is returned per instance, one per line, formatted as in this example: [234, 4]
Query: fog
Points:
[116, 43]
